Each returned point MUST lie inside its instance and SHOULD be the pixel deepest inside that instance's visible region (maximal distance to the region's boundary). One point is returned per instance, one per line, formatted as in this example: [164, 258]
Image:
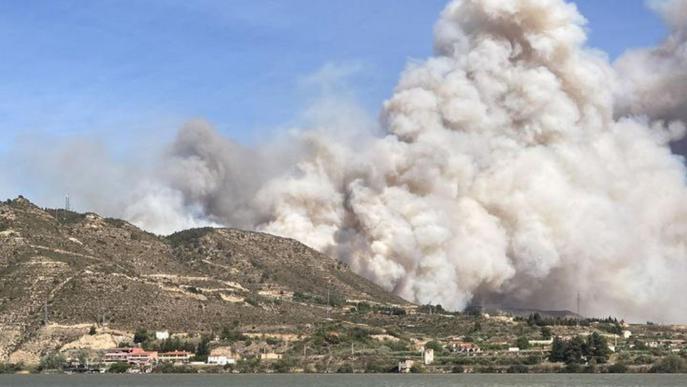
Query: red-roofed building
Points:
[133, 356]
[463, 347]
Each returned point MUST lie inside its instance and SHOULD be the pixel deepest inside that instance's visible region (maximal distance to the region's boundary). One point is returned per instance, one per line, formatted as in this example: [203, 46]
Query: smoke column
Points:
[654, 80]
[515, 165]
[504, 174]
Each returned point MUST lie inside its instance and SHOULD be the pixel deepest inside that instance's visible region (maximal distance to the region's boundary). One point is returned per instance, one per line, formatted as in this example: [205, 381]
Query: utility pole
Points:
[579, 315]
[329, 282]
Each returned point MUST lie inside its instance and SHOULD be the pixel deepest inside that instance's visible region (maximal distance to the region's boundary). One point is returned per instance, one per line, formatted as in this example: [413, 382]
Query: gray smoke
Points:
[653, 81]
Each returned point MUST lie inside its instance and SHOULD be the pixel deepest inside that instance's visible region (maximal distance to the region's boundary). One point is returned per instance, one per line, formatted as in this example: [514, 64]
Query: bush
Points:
[617, 368]
[10, 368]
[458, 369]
[518, 369]
[169, 368]
[532, 360]
[232, 335]
[375, 365]
[345, 369]
[670, 364]
[522, 342]
[272, 341]
[283, 366]
[92, 331]
[397, 346]
[118, 368]
[53, 361]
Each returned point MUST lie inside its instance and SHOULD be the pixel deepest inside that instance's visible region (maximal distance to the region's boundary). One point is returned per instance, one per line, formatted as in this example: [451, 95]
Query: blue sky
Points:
[115, 68]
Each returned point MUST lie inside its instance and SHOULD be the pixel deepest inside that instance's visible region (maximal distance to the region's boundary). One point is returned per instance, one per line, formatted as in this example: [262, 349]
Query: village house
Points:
[463, 347]
[162, 335]
[405, 366]
[117, 355]
[270, 356]
[176, 357]
[132, 356]
[221, 356]
[540, 343]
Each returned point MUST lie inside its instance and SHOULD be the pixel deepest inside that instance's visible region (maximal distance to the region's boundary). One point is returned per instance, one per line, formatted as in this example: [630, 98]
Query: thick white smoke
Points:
[504, 174]
[516, 166]
[654, 80]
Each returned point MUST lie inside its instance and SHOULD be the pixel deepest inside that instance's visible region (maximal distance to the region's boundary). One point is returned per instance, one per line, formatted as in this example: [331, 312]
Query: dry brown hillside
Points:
[92, 270]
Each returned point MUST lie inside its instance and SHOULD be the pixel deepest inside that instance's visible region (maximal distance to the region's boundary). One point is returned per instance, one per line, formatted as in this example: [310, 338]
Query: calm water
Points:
[343, 380]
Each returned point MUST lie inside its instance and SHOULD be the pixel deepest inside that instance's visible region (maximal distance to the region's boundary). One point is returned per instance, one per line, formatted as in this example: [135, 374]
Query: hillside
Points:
[85, 269]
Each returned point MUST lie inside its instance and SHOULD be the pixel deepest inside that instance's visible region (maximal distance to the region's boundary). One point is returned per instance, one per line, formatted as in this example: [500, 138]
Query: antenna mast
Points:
[578, 305]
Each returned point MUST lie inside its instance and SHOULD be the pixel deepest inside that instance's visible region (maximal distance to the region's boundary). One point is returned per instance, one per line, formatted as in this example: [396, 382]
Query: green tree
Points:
[92, 331]
[140, 336]
[477, 326]
[82, 356]
[203, 348]
[435, 345]
[558, 350]
[53, 361]
[576, 350]
[597, 347]
[522, 342]
[546, 333]
[118, 368]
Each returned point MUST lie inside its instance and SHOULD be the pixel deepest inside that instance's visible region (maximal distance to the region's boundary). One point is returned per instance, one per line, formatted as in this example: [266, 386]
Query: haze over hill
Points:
[516, 165]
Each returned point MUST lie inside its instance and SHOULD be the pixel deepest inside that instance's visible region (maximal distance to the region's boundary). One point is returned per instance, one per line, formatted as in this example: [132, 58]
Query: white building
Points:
[540, 343]
[176, 357]
[270, 356]
[428, 356]
[405, 366]
[162, 335]
[221, 360]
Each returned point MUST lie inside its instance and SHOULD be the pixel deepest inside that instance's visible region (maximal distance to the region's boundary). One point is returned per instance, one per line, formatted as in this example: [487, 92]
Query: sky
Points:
[122, 70]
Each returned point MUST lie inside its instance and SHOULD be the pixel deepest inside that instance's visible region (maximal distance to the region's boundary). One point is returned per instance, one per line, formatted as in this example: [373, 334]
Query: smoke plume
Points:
[653, 81]
[515, 165]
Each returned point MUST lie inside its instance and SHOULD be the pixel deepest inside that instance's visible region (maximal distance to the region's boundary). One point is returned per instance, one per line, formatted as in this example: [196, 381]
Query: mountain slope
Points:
[85, 269]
